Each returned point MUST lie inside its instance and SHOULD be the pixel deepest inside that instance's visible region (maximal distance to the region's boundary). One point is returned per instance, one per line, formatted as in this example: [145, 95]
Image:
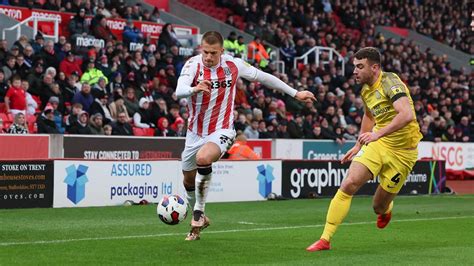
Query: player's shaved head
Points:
[213, 37]
[372, 55]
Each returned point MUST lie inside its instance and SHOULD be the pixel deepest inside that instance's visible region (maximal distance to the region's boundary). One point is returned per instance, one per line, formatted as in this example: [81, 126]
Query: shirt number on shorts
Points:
[396, 178]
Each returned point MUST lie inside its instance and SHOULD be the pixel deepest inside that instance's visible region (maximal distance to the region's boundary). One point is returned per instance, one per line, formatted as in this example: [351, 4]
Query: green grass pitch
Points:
[434, 230]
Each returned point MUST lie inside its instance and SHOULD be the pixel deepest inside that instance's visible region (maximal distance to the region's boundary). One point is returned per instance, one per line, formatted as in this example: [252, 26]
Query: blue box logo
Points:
[265, 178]
[76, 180]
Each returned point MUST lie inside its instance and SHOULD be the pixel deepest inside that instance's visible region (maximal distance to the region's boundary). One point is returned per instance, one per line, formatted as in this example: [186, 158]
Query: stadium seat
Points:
[31, 120]
[3, 109]
[143, 131]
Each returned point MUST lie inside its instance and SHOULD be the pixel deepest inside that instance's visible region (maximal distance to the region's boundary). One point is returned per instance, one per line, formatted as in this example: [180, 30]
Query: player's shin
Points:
[203, 180]
[338, 209]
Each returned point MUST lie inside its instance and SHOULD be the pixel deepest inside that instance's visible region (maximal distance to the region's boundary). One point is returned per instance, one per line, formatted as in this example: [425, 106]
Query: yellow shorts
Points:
[393, 166]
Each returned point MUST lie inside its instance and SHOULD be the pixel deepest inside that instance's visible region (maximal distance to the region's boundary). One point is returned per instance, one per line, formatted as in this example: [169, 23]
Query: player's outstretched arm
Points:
[251, 73]
[273, 82]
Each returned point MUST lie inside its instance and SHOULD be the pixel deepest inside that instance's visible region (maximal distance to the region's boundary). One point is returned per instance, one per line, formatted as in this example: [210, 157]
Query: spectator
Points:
[99, 106]
[168, 37]
[257, 52]
[70, 64]
[51, 5]
[19, 125]
[71, 120]
[100, 88]
[328, 133]
[78, 25]
[295, 128]
[449, 135]
[107, 130]
[31, 104]
[118, 106]
[35, 79]
[142, 118]
[116, 83]
[350, 133]
[131, 34]
[82, 126]
[282, 132]
[92, 74]
[131, 102]
[9, 68]
[106, 69]
[230, 44]
[58, 117]
[15, 99]
[3, 87]
[155, 16]
[49, 56]
[21, 68]
[84, 97]
[122, 127]
[45, 122]
[100, 30]
[240, 150]
[316, 133]
[96, 124]
[163, 128]
[251, 131]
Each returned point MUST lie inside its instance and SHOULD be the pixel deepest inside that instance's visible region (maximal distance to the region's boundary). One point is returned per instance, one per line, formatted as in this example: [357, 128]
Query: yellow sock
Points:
[338, 209]
[390, 207]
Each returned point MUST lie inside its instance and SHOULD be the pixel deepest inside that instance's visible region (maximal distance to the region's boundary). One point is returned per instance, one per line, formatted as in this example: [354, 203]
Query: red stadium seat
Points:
[3, 109]
[143, 131]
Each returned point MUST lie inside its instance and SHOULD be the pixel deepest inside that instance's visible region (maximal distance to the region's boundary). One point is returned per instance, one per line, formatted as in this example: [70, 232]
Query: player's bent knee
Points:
[203, 160]
[349, 186]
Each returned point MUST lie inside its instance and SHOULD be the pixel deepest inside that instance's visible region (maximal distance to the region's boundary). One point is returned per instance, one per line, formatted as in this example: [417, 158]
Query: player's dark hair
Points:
[372, 55]
[213, 37]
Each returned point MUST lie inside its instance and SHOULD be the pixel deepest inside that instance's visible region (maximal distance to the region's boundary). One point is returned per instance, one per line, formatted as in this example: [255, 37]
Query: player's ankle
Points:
[197, 215]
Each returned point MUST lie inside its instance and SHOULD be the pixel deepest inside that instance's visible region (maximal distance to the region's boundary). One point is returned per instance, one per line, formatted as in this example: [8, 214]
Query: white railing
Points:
[280, 66]
[318, 50]
[35, 20]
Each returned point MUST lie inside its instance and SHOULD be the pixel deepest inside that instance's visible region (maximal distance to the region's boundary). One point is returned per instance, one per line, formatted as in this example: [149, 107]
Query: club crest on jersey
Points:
[227, 71]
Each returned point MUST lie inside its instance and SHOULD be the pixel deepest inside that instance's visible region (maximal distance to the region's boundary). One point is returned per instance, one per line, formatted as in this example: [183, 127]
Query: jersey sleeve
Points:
[395, 89]
[186, 78]
[246, 70]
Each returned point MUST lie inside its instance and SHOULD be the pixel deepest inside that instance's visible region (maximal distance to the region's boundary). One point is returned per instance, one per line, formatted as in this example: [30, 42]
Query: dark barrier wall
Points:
[302, 178]
[26, 184]
[116, 148]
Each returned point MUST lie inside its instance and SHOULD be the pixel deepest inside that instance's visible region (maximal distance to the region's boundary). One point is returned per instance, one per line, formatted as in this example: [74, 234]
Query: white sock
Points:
[203, 180]
[191, 197]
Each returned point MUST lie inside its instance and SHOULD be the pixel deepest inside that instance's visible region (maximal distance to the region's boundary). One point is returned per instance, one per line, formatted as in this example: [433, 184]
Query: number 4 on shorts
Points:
[396, 178]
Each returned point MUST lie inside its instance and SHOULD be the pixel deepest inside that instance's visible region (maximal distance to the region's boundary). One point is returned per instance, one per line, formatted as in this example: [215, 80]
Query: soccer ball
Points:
[172, 209]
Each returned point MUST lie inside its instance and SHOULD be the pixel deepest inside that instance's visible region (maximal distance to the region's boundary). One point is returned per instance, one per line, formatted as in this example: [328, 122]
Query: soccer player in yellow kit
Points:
[386, 147]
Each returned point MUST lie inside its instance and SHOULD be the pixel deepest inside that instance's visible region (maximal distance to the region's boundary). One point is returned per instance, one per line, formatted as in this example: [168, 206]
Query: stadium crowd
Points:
[112, 90]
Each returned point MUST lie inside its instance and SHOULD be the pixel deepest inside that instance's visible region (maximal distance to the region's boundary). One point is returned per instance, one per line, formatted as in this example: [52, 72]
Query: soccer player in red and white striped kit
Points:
[208, 82]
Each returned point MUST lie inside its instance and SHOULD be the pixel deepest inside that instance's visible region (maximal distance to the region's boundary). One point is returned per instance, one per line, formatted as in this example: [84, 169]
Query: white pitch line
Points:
[57, 241]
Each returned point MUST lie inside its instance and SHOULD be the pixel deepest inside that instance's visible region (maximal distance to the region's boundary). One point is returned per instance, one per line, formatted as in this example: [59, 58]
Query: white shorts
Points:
[224, 138]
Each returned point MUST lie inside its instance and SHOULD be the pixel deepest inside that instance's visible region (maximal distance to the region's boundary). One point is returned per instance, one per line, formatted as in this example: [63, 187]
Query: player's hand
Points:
[351, 153]
[203, 86]
[305, 96]
[368, 137]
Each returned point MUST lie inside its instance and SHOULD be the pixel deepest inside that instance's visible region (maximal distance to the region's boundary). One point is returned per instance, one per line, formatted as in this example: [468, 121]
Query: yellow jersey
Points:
[379, 98]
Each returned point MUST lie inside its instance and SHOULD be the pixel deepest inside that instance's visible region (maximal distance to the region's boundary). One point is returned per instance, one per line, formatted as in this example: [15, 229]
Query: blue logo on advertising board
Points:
[265, 178]
[76, 180]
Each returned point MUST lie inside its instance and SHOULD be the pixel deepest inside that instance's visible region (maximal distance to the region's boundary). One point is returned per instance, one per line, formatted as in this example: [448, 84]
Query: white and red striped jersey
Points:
[210, 112]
